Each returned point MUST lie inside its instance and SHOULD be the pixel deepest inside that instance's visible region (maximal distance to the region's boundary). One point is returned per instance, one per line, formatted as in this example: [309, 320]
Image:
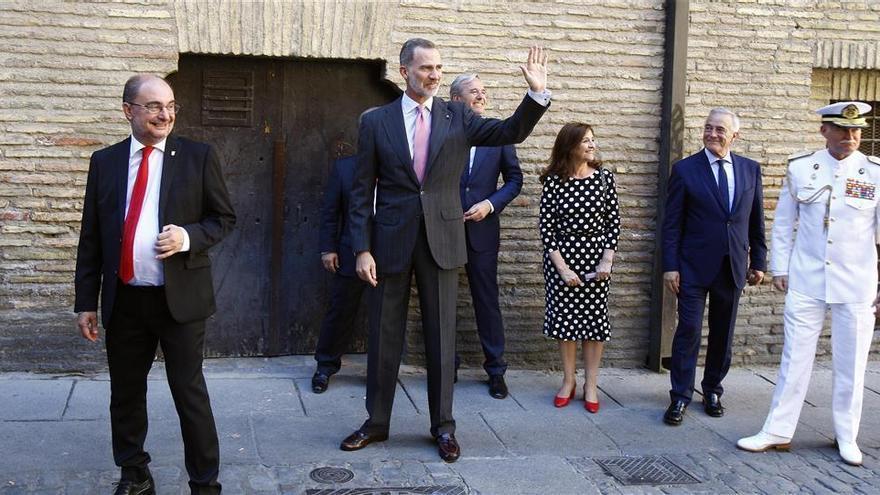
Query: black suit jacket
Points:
[192, 195]
[482, 183]
[384, 163]
[335, 232]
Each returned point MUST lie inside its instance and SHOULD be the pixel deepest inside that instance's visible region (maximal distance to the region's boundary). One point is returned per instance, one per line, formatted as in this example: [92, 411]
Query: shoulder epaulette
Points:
[799, 154]
[874, 160]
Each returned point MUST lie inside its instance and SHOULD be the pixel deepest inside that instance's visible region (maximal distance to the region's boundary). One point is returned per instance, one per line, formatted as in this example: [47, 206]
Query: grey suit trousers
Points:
[389, 301]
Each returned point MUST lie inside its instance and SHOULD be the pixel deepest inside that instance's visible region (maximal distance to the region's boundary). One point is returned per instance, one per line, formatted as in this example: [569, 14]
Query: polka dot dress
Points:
[580, 222]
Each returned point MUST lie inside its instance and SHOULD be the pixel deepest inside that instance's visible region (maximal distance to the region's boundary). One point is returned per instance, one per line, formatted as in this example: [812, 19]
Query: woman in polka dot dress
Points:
[579, 224]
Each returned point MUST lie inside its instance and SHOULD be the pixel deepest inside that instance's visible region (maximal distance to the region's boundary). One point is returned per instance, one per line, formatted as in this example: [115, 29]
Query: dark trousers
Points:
[338, 324]
[482, 273]
[723, 302]
[388, 309]
[140, 322]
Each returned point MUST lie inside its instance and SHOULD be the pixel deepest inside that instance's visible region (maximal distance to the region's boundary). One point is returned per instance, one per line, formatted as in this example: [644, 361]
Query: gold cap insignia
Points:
[850, 112]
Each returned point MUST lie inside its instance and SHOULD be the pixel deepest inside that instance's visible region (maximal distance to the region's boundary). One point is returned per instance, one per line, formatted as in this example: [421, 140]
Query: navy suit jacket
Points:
[698, 231]
[335, 232]
[482, 183]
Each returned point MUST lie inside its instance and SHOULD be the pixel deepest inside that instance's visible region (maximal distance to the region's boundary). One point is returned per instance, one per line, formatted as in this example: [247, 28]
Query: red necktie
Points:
[126, 261]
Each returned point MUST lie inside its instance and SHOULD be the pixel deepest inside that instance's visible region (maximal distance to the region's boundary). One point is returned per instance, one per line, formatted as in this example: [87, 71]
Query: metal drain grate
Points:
[331, 475]
[391, 490]
[644, 470]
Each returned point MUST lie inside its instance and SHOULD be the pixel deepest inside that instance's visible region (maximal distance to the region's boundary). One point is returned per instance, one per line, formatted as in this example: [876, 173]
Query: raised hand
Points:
[535, 69]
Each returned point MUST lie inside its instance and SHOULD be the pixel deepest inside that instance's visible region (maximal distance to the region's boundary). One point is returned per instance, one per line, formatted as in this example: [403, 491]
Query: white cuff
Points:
[185, 240]
[542, 98]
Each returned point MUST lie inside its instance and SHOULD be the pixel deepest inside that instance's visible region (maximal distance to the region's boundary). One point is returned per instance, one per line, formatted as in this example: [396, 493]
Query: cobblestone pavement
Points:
[276, 436]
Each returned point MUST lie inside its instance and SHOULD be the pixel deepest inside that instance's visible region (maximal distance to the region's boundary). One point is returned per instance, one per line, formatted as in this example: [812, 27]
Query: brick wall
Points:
[757, 58]
[65, 63]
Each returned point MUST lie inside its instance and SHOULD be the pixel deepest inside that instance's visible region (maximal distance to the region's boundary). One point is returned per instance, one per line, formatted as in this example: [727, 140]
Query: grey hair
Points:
[461, 80]
[133, 85]
[408, 50]
[724, 111]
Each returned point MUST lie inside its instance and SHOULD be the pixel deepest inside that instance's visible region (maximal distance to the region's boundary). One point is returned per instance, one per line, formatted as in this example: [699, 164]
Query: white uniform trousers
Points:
[852, 327]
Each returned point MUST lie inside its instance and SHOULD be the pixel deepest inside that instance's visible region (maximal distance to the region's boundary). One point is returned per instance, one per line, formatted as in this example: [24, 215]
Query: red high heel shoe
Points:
[592, 407]
[563, 401]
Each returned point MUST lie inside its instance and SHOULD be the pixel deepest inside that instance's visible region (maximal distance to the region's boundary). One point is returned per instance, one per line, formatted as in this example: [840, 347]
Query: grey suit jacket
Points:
[384, 164]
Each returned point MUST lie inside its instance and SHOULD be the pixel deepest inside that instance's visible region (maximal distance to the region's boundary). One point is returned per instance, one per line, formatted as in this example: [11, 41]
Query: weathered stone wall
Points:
[64, 64]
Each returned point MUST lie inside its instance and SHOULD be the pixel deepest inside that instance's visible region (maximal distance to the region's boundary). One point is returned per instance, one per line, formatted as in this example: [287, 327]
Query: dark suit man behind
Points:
[411, 152]
[713, 234]
[483, 201]
[337, 258]
[154, 204]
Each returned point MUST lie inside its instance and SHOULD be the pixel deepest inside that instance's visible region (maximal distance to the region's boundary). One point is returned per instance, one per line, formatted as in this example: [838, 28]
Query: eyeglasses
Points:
[154, 108]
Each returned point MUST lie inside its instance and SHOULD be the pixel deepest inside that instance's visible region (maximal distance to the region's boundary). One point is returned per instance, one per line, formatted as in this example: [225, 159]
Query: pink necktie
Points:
[420, 144]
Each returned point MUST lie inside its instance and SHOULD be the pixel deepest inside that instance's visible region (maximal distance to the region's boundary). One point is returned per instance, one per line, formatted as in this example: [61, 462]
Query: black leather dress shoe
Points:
[712, 405]
[497, 387]
[675, 413]
[320, 382]
[360, 439]
[448, 447]
[131, 487]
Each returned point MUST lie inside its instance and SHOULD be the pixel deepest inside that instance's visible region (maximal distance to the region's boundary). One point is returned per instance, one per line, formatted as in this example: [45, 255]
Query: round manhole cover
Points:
[331, 475]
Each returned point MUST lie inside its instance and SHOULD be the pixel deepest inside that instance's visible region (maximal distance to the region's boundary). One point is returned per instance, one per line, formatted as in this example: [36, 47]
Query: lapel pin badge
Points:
[173, 152]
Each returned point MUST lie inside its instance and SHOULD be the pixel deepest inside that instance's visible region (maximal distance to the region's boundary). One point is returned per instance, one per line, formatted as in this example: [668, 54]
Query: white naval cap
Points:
[845, 113]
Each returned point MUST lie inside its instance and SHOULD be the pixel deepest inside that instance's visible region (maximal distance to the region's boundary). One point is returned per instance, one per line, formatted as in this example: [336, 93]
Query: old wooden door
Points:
[278, 125]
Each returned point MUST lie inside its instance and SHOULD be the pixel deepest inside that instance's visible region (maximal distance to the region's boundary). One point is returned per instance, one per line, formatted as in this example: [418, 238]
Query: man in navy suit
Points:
[483, 201]
[713, 242]
[337, 258]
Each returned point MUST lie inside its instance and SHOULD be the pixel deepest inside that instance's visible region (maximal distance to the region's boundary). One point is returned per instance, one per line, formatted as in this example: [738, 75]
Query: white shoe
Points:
[763, 442]
[850, 453]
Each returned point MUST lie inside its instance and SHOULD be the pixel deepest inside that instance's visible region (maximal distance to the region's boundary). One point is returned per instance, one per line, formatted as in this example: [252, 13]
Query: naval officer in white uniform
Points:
[830, 262]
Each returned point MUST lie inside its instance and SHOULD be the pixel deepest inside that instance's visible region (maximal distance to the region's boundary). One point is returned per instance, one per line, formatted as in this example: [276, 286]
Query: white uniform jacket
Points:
[826, 226]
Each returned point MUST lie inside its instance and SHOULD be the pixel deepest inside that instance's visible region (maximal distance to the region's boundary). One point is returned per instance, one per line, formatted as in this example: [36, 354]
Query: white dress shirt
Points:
[147, 269]
[728, 168]
[410, 114]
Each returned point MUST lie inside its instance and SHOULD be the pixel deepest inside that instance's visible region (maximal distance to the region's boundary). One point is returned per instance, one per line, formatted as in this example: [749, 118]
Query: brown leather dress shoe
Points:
[360, 439]
[448, 447]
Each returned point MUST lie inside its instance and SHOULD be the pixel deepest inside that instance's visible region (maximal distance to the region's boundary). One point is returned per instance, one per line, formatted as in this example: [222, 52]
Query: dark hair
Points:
[408, 50]
[568, 138]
